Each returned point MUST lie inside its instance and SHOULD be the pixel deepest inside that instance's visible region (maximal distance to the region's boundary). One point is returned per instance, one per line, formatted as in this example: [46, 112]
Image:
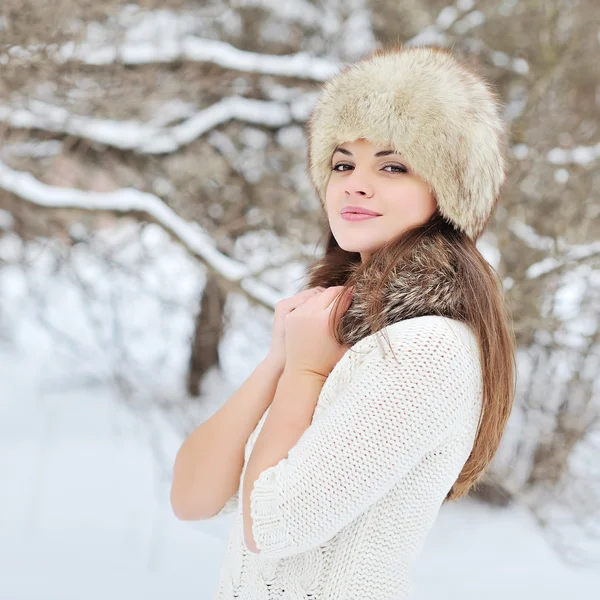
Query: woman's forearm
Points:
[289, 416]
[209, 463]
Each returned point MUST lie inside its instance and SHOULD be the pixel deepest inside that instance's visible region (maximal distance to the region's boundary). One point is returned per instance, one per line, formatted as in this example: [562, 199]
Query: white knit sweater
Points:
[345, 514]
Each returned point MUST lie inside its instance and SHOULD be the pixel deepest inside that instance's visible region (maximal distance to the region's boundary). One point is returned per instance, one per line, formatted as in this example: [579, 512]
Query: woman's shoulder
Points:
[430, 328]
[432, 337]
[422, 358]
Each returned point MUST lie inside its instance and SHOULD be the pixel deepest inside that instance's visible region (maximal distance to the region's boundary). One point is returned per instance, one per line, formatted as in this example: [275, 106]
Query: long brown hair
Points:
[483, 305]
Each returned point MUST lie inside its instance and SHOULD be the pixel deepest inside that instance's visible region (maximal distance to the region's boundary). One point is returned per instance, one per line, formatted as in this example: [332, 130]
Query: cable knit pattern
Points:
[345, 514]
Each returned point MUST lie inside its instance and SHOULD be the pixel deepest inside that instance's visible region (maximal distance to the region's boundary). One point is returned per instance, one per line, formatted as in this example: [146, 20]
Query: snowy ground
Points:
[84, 515]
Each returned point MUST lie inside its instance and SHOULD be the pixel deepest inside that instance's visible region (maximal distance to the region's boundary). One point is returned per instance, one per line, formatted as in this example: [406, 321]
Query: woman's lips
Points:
[348, 216]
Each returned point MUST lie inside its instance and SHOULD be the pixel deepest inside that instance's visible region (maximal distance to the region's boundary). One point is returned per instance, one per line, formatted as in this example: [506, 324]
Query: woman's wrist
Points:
[303, 371]
[272, 364]
[299, 392]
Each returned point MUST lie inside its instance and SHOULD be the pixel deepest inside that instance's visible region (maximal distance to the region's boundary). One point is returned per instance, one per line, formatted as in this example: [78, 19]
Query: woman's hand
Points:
[277, 354]
[309, 341]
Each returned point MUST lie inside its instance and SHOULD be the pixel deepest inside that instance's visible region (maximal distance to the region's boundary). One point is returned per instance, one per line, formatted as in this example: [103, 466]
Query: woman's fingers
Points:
[301, 297]
[325, 299]
[346, 298]
[319, 298]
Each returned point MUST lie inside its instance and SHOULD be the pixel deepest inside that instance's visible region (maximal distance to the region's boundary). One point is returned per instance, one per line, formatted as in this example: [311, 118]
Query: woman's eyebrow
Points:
[377, 154]
[343, 151]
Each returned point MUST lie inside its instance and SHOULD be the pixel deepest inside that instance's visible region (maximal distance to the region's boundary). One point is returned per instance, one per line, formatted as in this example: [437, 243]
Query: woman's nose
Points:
[359, 193]
[358, 186]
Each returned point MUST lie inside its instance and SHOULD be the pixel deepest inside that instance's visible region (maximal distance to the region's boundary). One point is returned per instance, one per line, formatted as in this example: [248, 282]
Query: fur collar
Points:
[425, 282]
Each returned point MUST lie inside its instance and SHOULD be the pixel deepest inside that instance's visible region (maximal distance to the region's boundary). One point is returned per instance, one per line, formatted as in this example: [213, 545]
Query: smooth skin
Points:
[386, 184]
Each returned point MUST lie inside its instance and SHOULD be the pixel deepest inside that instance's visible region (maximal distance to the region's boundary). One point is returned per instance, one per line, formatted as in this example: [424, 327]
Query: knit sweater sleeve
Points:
[393, 412]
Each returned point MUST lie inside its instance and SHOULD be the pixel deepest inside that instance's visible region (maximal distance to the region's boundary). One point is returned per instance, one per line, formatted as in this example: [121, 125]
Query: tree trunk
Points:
[208, 329]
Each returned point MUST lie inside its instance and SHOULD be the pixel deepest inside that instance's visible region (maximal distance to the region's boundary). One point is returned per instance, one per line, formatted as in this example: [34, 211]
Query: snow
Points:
[300, 11]
[462, 19]
[561, 252]
[34, 148]
[175, 47]
[446, 18]
[152, 137]
[578, 155]
[84, 509]
[476, 551]
[164, 36]
[25, 186]
[85, 514]
[470, 21]
[575, 253]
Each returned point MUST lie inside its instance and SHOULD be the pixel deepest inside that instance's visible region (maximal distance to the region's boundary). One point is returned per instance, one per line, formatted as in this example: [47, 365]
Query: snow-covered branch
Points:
[578, 155]
[459, 19]
[195, 49]
[167, 36]
[574, 254]
[147, 138]
[27, 187]
[575, 155]
[564, 253]
[534, 240]
[34, 148]
[303, 12]
[447, 17]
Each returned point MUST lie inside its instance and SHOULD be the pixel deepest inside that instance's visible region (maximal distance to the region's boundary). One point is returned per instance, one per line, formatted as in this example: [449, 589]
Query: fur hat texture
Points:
[429, 107]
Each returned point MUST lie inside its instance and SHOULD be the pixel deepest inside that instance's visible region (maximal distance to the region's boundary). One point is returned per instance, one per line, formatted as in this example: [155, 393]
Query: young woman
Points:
[339, 451]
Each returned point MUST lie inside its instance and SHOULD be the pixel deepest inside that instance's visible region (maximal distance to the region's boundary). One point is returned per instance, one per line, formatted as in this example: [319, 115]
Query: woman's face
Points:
[374, 178]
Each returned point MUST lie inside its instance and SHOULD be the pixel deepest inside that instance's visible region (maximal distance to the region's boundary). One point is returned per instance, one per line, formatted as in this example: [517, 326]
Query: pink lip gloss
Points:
[357, 216]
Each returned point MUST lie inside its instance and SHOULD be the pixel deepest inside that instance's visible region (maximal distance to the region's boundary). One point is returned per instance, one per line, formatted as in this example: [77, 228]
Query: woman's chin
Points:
[354, 244]
[356, 248]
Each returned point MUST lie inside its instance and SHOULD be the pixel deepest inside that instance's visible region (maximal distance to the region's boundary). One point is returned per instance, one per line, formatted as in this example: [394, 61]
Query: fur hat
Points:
[432, 109]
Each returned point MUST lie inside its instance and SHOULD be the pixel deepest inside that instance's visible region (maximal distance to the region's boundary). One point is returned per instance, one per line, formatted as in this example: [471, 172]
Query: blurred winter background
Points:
[154, 205]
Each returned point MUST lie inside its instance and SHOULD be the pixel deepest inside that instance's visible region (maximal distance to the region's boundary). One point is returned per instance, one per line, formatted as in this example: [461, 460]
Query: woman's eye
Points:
[335, 168]
[400, 167]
